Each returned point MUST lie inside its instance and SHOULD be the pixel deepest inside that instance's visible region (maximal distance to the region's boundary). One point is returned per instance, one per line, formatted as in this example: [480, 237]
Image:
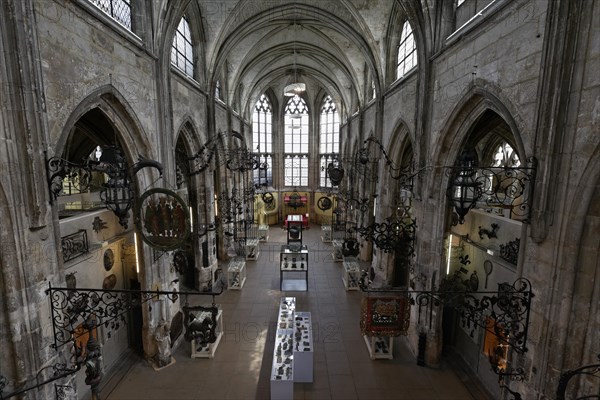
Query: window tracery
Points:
[296, 133]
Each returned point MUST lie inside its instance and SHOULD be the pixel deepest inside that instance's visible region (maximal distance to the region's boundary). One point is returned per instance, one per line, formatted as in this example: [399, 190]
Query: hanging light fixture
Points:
[465, 190]
[296, 87]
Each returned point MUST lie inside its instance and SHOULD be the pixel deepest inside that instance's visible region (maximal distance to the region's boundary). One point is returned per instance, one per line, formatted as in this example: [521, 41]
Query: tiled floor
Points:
[242, 364]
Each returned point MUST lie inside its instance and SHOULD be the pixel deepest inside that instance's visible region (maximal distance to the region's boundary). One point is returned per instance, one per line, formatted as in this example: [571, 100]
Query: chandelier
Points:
[296, 87]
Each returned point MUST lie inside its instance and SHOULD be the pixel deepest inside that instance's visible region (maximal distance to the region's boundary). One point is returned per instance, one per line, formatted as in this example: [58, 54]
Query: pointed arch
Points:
[112, 104]
[167, 31]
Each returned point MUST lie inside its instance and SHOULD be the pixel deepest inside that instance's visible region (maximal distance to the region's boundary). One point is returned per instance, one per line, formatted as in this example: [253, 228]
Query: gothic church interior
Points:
[421, 174]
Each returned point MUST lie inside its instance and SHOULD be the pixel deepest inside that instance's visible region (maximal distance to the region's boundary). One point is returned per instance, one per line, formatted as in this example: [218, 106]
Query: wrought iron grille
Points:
[74, 245]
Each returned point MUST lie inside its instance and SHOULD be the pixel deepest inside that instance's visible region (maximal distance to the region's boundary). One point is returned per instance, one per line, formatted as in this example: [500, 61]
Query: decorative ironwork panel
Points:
[510, 251]
[70, 307]
[392, 235]
[502, 187]
[74, 245]
[79, 176]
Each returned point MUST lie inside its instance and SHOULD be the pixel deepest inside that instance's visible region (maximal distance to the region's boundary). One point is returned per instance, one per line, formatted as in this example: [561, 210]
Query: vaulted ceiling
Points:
[338, 46]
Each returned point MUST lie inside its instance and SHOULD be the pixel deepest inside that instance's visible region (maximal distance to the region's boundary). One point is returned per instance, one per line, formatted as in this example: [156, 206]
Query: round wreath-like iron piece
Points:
[163, 219]
[324, 203]
[267, 197]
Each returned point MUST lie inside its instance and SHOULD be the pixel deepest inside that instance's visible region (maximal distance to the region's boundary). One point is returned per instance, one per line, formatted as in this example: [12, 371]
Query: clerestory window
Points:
[407, 51]
[119, 10]
[182, 54]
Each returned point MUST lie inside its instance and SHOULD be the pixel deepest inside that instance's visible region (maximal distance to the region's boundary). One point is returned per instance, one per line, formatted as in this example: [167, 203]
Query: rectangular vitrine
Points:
[293, 268]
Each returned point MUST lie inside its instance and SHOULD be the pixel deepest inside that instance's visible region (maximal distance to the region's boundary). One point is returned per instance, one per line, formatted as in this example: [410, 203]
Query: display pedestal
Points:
[380, 347]
[293, 350]
[351, 273]
[326, 233]
[236, 273]
[293, 268]
[252, 249]
[303, 347]
[208, 350]
[263, 233]
[337, 253]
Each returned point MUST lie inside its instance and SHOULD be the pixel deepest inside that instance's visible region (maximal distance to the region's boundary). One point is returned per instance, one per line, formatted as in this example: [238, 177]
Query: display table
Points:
[303, 347]
[252, 249]
[293, 268]
[351, 273]
[296, 218]
[293, 350]
[236, 273]
[208, 350]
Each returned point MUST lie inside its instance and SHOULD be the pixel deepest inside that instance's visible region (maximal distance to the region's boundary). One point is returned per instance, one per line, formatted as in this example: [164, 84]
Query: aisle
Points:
[241, 367]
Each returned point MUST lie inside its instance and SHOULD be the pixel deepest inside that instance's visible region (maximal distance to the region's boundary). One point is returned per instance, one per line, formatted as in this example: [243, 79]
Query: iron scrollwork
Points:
[74, 245]
[392, 235]
[117, 193]
[508, 308]
[70, 307]
[510, 251]
[499, 187]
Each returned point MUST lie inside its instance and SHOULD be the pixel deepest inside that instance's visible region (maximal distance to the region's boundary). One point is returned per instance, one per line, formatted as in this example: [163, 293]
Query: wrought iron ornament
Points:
[510, 251]
[163, 219]
[74, 245]
[70, 307]
[117, 193]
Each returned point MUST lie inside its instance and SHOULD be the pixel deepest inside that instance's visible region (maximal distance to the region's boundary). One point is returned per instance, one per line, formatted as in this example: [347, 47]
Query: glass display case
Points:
[337, 254]
[263, 233]
[252, 249]
[326, 233]
[351, 273]
[293, 350]
[293, 268]
[236, 273]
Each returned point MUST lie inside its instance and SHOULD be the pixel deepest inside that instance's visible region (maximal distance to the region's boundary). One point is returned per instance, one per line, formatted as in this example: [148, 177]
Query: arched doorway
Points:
[108, 257]
[485, 224]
